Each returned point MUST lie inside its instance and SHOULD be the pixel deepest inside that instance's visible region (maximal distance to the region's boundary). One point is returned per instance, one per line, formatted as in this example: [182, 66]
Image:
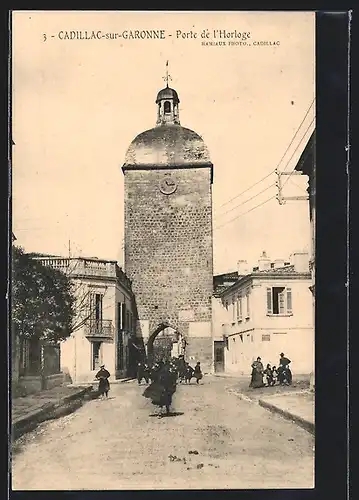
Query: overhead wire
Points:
[296, 149]
[278, 164]
[246, 201]
[272, 197]
[258, 182]
[244, 213]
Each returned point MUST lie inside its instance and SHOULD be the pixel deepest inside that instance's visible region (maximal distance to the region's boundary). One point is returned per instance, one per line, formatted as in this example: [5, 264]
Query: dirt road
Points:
[213, 441]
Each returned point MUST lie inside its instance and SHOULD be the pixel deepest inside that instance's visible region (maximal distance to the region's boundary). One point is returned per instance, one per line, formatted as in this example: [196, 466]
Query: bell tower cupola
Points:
[167, 104]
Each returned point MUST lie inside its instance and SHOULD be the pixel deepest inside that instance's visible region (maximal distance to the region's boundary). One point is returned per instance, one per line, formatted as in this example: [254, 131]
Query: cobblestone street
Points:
[214, 440]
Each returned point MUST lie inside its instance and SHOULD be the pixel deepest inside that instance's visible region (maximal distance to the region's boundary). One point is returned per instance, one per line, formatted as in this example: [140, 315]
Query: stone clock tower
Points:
[168, 231]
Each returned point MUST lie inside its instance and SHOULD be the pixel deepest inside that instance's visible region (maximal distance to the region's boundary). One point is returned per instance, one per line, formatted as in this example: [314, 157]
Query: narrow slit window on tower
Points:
[167, 107]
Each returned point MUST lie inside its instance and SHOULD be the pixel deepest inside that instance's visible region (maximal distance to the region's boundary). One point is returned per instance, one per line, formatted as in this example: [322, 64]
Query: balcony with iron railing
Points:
[99, 329]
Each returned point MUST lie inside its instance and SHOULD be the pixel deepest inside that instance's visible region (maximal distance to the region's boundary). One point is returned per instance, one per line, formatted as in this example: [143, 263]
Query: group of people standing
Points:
[184, 371]
[271, 375]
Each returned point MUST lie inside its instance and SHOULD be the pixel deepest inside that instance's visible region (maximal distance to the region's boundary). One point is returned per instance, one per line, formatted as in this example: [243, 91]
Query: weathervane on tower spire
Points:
[167, 77]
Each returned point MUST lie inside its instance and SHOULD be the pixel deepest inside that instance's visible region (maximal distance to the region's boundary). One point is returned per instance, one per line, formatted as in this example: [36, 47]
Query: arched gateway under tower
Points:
[168, 232]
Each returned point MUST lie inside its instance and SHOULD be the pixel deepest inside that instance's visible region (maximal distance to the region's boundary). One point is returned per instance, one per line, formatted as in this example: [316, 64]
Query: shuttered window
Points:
[92, 306]
[124, 317]
[239, 309]
[96, 301]
[269, 301]
[98, 307]
[289, 301]
[279, 301]
[119, 316]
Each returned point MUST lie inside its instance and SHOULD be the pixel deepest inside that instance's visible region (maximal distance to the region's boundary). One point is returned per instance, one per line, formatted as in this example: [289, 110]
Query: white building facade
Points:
[105, 318]
[269, 311]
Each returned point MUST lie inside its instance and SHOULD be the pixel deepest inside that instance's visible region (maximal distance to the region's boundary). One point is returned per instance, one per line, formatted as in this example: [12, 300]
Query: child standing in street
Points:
[197, 372]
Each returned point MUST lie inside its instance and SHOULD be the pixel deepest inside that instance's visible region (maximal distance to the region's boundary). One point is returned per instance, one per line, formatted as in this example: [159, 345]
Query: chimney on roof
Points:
[243, 268]
[264, 262]
[278, 263]
[300, 260]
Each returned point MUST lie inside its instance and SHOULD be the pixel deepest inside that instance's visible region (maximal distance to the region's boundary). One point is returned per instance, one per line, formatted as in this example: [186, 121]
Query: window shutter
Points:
[119, 323]
[98, 306]
[123, 326]
[281, 302]
[248, 310]
[289, 301]
[240, 307]
[92, 305]
[269, 301]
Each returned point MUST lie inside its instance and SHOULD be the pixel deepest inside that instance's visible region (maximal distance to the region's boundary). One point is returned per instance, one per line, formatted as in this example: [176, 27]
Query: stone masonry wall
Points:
[169, 250]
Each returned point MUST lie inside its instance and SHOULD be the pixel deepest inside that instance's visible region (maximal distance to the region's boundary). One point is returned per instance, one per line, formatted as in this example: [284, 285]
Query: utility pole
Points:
[282, 199]
[279, 196]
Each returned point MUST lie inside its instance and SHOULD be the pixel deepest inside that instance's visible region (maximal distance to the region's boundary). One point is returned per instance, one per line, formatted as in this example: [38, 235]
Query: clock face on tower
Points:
[168, 185]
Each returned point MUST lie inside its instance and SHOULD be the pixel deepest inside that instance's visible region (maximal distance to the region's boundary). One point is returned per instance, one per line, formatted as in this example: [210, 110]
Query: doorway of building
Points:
[219, 356]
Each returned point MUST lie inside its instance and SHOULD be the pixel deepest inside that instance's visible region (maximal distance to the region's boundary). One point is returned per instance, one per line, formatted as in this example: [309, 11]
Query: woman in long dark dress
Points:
[162, 389]
[257, 374]
[181, 366]
[284, 372]
[104, 385]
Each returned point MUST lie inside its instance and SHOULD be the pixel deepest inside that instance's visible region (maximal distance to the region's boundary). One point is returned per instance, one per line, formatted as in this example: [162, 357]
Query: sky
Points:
[78, 104]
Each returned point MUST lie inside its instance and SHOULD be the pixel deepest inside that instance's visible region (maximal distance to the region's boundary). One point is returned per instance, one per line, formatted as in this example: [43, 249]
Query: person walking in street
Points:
[142, 372]
[154, 370]
[197, 373]
[257, 374]
[162, 389]
[188, 373]
[104, 385]
[284, 372]
[181, 368]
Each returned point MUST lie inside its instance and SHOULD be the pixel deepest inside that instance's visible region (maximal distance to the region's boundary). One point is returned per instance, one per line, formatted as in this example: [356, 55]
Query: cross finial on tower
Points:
[168, 76]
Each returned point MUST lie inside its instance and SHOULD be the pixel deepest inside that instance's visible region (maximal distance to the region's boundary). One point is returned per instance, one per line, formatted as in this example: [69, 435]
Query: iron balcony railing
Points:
[99, 329]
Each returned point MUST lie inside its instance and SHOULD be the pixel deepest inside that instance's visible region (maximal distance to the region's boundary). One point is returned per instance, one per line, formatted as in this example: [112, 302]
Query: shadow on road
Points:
[170, 414]
[192, 384]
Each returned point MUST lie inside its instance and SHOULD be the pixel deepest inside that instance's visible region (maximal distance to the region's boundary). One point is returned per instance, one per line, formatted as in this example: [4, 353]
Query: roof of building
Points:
[168, 144]
[222, 281]
[167, 93]
[79, 257]
[87, 267]
[278, 272]
[306, 161]
[224, 276]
